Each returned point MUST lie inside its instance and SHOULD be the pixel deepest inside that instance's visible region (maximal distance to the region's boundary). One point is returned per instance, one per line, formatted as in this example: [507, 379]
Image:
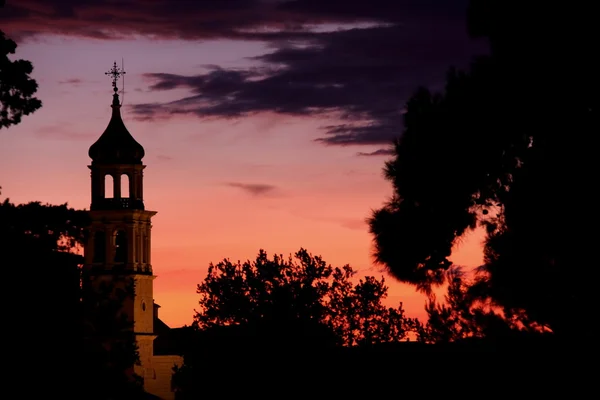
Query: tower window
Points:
[121, 247]
[99, 247]
[109, 185]
[125, 186]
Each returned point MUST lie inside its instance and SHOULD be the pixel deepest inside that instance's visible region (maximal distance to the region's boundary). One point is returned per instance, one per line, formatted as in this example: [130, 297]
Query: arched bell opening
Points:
[125, 186]
[109, 184]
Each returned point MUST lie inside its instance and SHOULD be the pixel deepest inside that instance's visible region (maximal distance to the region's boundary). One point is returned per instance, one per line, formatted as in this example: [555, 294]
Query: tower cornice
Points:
[120, 215]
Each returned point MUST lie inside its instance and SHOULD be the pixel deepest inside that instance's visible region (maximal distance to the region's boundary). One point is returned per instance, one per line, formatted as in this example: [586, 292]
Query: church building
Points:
[119, 245]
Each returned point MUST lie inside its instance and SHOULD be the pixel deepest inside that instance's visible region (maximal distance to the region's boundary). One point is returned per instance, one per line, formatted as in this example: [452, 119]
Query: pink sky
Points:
[318, 197]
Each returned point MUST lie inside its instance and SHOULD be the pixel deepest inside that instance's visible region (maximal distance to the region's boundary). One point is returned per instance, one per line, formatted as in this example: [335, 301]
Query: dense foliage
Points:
[17, 88]
[295, 314]
[41, 246]
[302, 290]
[504, 147]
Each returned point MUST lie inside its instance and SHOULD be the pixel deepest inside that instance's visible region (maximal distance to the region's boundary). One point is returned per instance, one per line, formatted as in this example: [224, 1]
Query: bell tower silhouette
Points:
[118, 248]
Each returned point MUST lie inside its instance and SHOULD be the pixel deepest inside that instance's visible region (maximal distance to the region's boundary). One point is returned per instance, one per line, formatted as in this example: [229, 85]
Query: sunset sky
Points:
[266, 123]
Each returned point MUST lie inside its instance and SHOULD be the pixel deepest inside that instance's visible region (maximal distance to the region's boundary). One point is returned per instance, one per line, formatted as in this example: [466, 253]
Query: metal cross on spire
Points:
[115, 73]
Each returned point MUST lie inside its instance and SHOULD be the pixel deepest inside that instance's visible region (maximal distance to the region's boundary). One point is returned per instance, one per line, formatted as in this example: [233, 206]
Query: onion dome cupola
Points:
[116, 145]
[117, 169]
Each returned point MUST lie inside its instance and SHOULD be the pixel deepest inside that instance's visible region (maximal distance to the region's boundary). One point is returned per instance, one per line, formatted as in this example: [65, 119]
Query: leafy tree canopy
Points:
[303, 290]
[41, 246]
[283, 320]
[505, 147]
[17, 88]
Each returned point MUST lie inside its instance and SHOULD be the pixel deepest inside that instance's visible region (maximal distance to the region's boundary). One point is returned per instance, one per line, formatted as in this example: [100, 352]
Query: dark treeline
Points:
[256, 333]
[264, 327]
[49, 328]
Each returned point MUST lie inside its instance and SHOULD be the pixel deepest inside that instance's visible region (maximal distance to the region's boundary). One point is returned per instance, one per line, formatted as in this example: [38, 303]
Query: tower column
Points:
[131, 183]
[148, 241]
[140, 187]
[117, 185]
[138, 246]
[101, 190]
[131, 246]
[110, 245]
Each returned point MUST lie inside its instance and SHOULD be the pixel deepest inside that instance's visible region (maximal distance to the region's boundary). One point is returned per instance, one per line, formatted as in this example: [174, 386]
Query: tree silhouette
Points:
[445, 171]
[301, 290]
[41, 246]
[16, 87]
[461, 316]
[504, 147]
[109, 348]
[293, 313]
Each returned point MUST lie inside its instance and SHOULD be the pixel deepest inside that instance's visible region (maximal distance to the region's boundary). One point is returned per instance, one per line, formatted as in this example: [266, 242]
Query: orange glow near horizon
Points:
[223, 188]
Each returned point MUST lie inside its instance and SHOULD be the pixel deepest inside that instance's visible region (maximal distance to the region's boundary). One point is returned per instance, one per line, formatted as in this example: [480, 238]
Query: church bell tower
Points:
[118, 248]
